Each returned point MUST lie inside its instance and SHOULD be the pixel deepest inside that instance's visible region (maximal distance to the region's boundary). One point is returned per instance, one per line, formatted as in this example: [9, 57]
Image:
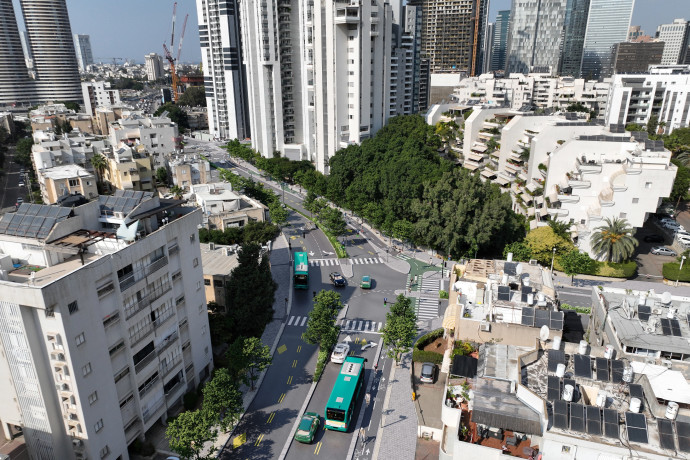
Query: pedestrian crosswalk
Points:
[403, 256]
[323, 262]
[427, 308]
[353, 325]
[354, 261]
[430, 286]
[298, 321]
[367, 260]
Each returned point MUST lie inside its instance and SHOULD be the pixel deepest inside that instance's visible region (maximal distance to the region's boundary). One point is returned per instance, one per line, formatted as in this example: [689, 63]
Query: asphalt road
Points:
[9, 183]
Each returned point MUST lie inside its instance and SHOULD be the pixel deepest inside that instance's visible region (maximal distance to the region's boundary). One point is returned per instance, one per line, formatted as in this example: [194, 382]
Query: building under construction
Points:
[452, 34]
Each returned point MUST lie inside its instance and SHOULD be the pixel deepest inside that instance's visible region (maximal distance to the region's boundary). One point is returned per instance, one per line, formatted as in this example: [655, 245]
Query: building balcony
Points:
[574, 183]
[153, 409]
[347, 15]
[589, 167]
[141, 334]
[138, 367]
[129, 280]
[147, 300]
[163, 318]
[165, 344]
[149, 386]
[557, 212]
[168, 366]
[568, 198]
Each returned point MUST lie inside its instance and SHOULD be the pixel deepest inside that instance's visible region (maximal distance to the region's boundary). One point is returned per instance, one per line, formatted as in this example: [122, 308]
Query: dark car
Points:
[428, 372]
[337, 279]
[654, 239]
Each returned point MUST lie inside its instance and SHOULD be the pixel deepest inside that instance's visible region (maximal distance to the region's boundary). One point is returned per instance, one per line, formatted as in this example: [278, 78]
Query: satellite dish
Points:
[518, 269]
[544, 333]
[666, 298]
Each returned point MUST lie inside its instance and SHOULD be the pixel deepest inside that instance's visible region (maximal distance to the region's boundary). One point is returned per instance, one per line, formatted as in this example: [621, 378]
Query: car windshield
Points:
[305, 424]
[301, 432]
[427, 371]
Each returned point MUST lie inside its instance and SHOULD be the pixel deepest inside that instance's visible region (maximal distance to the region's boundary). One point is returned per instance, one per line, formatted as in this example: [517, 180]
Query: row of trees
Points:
[253, 232]
[278, 212]
[330, 218]
[192, 433]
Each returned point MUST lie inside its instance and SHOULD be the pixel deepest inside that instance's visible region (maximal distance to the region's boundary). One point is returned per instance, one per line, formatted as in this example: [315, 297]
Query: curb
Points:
[288, 443]
[384, 408]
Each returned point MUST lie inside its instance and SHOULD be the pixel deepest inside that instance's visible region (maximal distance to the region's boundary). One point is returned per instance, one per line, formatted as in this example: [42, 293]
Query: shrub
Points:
[321, 361]
[613, 270]
[426, 339]
[190, 399]
[583, 310]
[671, 271]
[421, 356]
[442, 294]
[463, 348]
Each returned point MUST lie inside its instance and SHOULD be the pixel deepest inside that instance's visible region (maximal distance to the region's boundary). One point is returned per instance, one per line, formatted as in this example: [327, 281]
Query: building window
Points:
[636, 200]
[93, 397]
[50, 311]
[73, 182]
[72, 307]
[105, 451]
[176, 276]
[86, 369]
[198, 285]
[192, 237]
[218, 283]
[107, 289]
[80, 339]
[196, 262]
[207, 282]
[98, 426]
[623, 215]
[647, 185]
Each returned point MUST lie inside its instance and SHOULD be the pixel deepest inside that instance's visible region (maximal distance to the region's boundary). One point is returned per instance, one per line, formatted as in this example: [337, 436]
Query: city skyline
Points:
[135, 45]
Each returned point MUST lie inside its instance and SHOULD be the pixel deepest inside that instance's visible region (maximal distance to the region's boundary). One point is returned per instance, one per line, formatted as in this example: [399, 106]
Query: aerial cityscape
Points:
[345, 229]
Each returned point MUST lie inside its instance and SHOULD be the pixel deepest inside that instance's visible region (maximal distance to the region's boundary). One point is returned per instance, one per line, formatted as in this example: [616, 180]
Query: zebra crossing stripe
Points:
[359, 326]
[304, 321]
[380, 326]
[292, 318]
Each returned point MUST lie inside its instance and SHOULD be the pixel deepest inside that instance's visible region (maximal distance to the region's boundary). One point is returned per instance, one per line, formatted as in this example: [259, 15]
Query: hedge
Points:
[671, 271]
[426, 339]
[421, 356]
[609, 269]
[321, 361]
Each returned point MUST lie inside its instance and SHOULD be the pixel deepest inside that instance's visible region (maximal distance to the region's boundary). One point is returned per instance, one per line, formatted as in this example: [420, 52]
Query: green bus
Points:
[301, 274]
[341, 404]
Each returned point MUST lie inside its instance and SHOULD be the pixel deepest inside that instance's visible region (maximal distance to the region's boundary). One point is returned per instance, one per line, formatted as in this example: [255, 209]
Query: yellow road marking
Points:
[280, 400]
[258, 440]
[294, 363]
[304, 248]
[356, 339]
[239, 440]
[318, 448]
[360, 247]
[299, 348]
[282, 349]
[289, 380]
[293, 237]
[370, 253]
[270, 417]
[352, 353]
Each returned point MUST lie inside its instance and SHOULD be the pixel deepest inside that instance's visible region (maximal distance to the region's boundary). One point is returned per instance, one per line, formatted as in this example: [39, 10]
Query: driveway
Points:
[649, 266]
[429, 397]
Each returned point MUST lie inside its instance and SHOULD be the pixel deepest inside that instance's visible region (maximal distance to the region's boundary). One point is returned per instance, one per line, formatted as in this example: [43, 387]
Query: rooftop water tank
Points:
[568, 393]
[672, 410]
[635, 405]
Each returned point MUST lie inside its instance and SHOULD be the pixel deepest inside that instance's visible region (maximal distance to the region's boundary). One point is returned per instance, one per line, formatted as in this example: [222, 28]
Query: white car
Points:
[340, 353]
[675, 226]
[684, 240]
[683, 233]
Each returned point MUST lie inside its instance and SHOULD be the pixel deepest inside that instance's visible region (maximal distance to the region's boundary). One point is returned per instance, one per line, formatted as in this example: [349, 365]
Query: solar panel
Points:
[583, 366]
[555, 357]
[602, 369]
[577, 417]
[560, 414]
[666, 326]
[617, 371]
[556, 321]
[553, 389]
[504, 293]
[683, 430]
[611, 429]
[593, 416]
[666, 438]
[527, 316]
[541, 318]
[644, 312]
[509, 268]
[675, 328]
[636, 425]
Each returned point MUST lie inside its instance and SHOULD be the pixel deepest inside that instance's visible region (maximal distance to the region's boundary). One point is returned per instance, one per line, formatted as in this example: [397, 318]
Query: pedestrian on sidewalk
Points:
[367, 398]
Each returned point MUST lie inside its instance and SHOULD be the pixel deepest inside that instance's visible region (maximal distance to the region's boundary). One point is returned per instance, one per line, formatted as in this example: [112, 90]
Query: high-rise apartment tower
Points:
[82, 46]
[608, 23]
[15, 84]
[154, 66]
[500, 42]
[676, 38]
[574, 29]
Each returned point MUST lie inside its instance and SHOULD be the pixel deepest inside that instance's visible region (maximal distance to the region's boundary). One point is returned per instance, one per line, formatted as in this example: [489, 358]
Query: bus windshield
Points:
[335, 414]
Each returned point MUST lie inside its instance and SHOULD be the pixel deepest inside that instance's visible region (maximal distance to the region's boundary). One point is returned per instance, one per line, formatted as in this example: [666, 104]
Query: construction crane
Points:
[168, 55]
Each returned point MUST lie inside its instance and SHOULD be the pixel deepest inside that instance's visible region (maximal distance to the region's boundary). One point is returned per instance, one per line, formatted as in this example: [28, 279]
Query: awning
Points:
[530, 212]
[531, 187]
[500, 180]
[479, 147]
[470, 166]
[475, 157]
[488, 173]
[450, 316]
[539, 200]
[496, 406]
[523, 176]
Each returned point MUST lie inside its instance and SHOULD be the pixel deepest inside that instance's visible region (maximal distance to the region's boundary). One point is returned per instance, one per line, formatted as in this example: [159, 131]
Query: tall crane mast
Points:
[168, 55]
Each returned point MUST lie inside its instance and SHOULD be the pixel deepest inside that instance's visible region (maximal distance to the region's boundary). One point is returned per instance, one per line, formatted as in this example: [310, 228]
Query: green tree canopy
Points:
[194, 96]
[188, 432]
[175, 113]
[681, 182]
[162, 175]
[632, 127]
[401, 328]
[520, 250]
[575, 262]
[614, 240]
[223, 402]
[332, 220]
[560, 228]
[247, 358]
[321, 328]
[541, 242]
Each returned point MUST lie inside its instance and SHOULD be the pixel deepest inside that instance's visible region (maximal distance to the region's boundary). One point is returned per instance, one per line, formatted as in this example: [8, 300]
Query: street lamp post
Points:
[553, 257]
[682, 259]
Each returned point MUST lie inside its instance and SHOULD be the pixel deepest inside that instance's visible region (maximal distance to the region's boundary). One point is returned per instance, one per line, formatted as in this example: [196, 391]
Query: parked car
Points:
[654, 238]
[307, 427]
[681, 233]
[673, 226]
[340, 353]
[337, 279]
[20, 184]
[684, 240]
[428, 372]
[366, 282]
[663, 251]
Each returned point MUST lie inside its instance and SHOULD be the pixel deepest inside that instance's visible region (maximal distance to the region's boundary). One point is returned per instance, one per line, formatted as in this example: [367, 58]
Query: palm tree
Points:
[614, 240]
[684, 158]
[99, 163]
[177, 192]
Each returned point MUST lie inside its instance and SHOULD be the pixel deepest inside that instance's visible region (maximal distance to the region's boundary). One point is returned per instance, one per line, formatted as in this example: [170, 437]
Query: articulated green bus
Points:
[341, 404]
[301, 275]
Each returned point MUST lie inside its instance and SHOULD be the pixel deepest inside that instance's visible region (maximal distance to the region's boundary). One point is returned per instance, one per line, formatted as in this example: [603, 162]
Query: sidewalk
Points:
[562, 280]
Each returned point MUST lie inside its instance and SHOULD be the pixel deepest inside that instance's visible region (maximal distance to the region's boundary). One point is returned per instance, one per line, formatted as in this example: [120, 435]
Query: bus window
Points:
[335, 414]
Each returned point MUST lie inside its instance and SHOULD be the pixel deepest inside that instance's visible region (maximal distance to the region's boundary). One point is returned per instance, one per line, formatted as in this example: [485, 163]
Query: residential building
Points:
[129, 168]
[15, 84]
[159, 135]
[218, 262]
[26, 48]
[98, 94]
[488, 47]
[225, 76]
[676, 38]
[617, 175]
[535, 36]
[188, 170]
[574, 28]
[453, 34]
[104, 324]
[607, 24]
[637, 57]
[82, 46]
[635, 32]
[223, 208]
[500, 41]
[64, 180]
[663, 93]
[45, 117]
[154, 66]
[75, 148]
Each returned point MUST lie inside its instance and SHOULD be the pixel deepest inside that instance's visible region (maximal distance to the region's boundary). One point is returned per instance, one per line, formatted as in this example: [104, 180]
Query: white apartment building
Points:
[223, 208]
[98, 94]
[159, 135]
[103, 322]
[154, 66]
[188, 170]
[617, 175]
[676, 38]
[320, 75]
[663, 92]
[50, 150]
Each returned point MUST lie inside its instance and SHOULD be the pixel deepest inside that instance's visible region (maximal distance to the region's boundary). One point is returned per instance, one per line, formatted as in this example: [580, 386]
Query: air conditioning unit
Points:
[485, 326]
[533, 262]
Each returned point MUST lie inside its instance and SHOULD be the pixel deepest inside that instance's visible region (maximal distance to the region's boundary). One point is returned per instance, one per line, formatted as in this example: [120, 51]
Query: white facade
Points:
[159, 135]
[676, 37]
[101, 342]
[635, 98]
[82, 46]
[50, 150]
[98, 94]
[154, 66]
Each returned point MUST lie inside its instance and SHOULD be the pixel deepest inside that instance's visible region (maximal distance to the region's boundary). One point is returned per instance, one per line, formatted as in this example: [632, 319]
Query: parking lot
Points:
[650, 265]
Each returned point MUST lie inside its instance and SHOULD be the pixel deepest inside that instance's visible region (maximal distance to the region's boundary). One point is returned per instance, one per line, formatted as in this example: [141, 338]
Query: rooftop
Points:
[220, 260]
[66, 172]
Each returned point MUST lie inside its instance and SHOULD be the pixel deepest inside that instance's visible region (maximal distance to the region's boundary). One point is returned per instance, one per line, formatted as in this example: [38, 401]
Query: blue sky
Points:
[133, 28]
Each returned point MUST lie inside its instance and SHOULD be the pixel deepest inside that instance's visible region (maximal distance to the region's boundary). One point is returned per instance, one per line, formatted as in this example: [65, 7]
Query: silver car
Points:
[340, 353]
[428, 372]
[662, 251]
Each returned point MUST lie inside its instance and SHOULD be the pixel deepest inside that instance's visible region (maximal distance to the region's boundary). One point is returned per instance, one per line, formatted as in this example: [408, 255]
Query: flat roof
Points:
[66, 172]
[215, 262]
